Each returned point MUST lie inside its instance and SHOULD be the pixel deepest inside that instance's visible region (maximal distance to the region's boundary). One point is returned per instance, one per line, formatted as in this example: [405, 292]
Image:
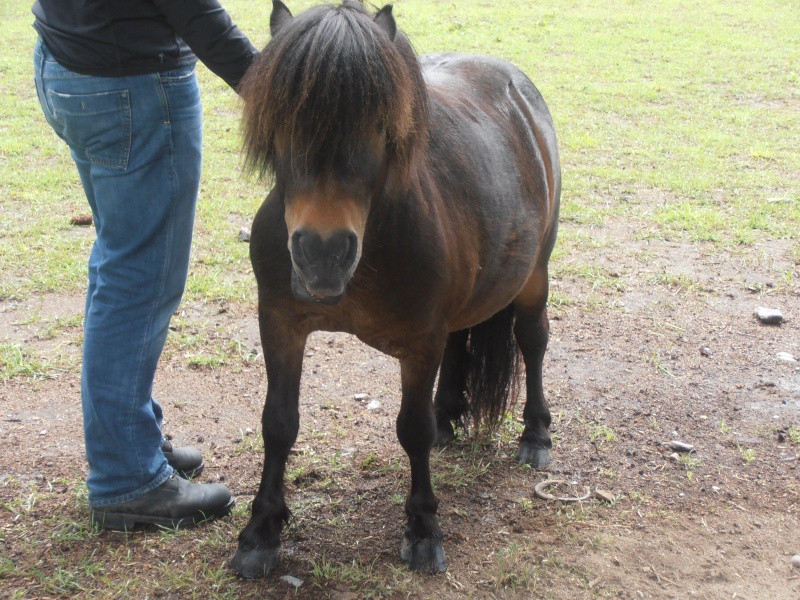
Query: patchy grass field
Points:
[679, 125]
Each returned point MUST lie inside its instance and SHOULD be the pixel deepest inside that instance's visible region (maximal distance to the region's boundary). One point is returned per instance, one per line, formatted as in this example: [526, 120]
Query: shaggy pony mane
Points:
[325, 78]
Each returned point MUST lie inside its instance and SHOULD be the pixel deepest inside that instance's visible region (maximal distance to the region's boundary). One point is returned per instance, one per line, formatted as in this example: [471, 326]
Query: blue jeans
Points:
[137, 143]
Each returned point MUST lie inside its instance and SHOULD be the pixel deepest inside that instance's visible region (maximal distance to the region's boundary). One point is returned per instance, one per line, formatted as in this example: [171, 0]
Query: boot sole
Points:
[127, 521]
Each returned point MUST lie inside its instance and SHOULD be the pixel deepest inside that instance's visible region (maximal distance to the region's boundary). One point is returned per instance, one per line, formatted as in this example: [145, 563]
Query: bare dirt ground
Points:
[659, 345]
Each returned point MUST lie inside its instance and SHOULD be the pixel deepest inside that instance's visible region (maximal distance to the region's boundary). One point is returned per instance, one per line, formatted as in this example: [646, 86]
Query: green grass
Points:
[794, 434]
[16, 362]
[515, 570]
[680, 116]
[602, 433]
[361, 577]
[748, 454]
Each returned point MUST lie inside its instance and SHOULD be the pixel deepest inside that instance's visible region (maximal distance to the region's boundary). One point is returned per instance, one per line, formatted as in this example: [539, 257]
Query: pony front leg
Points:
[416, 429]
[259, 541]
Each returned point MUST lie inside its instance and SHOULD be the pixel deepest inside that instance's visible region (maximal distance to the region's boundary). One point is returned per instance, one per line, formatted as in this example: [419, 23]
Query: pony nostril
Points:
[344, 248]
[352, 249]
[297, 247]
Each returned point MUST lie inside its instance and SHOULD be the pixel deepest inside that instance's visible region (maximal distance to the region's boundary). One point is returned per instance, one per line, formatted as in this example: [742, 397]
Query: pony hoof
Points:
[528, 454]
[424, 556]
[444, 435]
[251, 564]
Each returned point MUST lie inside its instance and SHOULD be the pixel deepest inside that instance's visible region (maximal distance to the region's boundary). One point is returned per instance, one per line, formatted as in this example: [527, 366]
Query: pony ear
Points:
[279, 17]
[385, 19]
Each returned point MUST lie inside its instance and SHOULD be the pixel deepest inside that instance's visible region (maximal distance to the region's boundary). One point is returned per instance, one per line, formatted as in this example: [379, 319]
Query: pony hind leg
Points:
[532, 331]
[450, 402]
[479, 374]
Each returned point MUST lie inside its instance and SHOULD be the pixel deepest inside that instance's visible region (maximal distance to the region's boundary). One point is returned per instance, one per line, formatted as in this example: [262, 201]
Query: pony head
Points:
[334, 105]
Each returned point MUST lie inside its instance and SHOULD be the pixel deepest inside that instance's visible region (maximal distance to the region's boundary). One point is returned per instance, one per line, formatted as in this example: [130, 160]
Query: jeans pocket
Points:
[97, 124]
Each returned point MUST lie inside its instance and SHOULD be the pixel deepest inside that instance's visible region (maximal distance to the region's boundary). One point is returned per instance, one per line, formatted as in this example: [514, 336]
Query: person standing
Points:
[116, 81]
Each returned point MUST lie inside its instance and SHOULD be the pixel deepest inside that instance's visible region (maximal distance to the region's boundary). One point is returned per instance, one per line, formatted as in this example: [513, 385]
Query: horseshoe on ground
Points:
[539, 490]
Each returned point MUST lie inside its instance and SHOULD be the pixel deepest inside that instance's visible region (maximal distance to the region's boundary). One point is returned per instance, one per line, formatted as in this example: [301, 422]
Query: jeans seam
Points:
[162, 94]
[158, 299]
[49, 99]
[175, 79]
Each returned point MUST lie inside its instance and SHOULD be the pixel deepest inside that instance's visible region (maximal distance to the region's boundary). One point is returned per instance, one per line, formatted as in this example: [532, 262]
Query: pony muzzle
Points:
[323, 264]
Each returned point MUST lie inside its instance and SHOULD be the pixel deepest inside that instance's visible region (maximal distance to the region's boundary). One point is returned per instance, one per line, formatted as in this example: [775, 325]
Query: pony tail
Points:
[493, 371]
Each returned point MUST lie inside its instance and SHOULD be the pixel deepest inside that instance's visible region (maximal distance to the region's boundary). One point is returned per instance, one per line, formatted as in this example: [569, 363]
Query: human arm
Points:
[209, 31]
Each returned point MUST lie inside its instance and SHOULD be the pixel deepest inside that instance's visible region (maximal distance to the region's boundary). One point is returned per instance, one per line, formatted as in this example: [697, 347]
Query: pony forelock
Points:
[327, 76]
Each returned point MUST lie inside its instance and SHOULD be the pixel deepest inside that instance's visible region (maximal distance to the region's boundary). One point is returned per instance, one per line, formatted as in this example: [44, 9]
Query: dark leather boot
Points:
[187, 462]
[174, 504]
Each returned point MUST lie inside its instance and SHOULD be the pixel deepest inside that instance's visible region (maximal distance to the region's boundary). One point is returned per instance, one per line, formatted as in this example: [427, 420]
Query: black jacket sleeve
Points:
[208, 30]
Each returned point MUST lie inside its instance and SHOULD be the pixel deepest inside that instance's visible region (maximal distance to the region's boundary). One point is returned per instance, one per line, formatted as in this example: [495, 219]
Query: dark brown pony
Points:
[415, 206]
